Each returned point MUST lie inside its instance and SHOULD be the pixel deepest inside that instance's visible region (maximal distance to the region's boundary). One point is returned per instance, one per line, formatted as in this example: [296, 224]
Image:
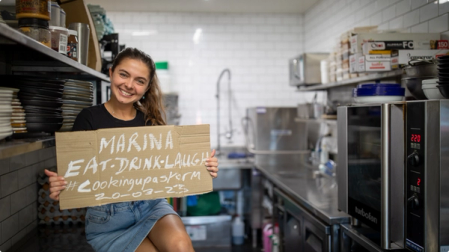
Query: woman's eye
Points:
[141, 82]
[122, 74]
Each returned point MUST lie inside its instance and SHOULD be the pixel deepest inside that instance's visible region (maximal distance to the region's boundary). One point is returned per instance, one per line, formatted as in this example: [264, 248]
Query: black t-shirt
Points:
[97, 117]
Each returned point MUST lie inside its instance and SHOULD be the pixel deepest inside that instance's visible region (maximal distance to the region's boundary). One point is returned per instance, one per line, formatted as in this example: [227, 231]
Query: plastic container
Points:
[164, 76]
[55, 19]
[36, 29]
[238, 230]
[33, 9]
[62, 18]
[430, 89]
[378, 92]
[267, 236]
[59, 39]
[72, 45]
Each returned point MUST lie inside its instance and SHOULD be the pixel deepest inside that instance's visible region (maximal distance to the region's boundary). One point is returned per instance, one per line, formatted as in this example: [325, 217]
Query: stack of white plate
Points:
[18, 122]
[5, 112]
[76, 96]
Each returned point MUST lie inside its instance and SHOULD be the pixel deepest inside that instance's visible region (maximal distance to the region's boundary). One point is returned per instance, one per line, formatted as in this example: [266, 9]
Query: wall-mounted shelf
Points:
[370, 77]
[33, 52]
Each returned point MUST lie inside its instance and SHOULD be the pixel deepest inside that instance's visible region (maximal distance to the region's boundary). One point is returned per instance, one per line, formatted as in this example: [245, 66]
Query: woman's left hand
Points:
[212, 164]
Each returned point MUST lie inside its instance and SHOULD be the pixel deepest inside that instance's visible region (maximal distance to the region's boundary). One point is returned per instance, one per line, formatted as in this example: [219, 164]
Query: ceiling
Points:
[222, 6]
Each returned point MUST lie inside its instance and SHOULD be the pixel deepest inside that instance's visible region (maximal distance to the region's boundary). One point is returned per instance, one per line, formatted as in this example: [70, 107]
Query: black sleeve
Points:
[83, 121]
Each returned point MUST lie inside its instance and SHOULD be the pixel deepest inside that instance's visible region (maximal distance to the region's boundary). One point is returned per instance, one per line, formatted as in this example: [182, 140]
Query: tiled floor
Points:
[72, 238]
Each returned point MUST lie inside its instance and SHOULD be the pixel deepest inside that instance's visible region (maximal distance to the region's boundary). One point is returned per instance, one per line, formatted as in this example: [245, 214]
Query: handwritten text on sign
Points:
[127, 164]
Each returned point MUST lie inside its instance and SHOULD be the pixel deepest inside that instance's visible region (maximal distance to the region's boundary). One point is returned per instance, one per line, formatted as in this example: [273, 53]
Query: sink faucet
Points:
[228, 133]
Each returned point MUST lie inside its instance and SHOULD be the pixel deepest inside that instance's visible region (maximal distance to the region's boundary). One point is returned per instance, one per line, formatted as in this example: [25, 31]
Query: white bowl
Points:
[432, 92]
[378, 99]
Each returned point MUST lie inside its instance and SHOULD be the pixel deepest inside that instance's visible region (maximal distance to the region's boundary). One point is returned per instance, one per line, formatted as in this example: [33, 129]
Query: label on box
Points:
[390, 45]
[197, 233]
[439, 44]
[371, 66]
[374, 57]
[406, 55]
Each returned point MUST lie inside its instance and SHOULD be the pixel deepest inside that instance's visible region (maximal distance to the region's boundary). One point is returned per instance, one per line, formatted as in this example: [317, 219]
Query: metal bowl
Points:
[415, 73]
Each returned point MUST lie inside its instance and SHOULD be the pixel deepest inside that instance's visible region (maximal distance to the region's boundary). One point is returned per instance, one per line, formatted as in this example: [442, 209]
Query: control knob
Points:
[413, 159]
[413, 201]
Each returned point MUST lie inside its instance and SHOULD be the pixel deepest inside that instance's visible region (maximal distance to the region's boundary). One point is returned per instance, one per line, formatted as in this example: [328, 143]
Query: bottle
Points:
[238, 229]
[164, 76]
[274, 243]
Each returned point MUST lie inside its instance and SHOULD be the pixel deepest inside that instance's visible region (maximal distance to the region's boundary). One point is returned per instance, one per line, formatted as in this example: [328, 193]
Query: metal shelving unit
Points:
[370, 77]
[20, 54]
[54, 61]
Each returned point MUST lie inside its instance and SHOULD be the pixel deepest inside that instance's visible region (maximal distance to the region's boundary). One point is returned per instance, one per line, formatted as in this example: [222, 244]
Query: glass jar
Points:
[36, 29]
[72, 45]
[33, 9]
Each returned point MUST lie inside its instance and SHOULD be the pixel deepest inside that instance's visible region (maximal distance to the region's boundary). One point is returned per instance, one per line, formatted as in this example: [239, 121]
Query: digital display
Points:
[416, 138]
[418, 181]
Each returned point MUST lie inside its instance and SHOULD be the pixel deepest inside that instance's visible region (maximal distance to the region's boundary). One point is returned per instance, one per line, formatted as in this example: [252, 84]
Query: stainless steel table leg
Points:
[254, 234]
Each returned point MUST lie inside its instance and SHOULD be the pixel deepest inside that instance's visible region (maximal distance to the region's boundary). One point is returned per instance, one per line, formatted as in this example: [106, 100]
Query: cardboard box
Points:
[358, 40]
[354, 63]
[361, 64]
[381, 65]
[406, 55]
[128, 164]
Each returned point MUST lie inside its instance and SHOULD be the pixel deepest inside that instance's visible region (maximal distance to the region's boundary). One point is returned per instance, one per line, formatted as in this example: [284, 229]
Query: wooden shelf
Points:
[370, 77]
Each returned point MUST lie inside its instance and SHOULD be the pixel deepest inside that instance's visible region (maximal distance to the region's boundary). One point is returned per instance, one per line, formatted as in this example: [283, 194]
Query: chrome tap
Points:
[228, 133]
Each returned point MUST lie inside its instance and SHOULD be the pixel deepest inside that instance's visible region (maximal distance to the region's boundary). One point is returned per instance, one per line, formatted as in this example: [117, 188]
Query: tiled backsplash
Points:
[18, 193]
[256, 48]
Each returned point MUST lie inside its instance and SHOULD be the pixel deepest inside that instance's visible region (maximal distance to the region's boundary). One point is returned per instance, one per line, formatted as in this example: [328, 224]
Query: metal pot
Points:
[415, 73]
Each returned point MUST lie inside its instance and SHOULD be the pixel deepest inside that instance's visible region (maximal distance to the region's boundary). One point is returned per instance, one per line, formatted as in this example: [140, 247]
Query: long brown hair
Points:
[151, 104]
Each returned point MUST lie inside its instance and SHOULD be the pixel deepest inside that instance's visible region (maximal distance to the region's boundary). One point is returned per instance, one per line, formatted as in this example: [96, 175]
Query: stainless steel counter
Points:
[318, 194]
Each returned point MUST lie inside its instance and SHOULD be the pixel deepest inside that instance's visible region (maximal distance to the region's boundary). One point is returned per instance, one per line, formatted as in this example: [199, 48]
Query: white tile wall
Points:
[256, 48]
[406, 15]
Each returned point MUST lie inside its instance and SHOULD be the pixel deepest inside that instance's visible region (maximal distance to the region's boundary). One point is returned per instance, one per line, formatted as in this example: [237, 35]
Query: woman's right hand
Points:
[57, 184]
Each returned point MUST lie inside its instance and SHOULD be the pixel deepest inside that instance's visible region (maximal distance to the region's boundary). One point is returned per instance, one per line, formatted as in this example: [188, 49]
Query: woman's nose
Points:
[129, 84]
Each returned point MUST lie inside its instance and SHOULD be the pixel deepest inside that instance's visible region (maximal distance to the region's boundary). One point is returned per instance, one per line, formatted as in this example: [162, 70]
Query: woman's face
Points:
[129, 81]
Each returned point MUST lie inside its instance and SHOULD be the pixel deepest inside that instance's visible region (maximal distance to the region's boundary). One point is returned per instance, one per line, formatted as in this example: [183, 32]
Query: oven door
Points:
[371, 173]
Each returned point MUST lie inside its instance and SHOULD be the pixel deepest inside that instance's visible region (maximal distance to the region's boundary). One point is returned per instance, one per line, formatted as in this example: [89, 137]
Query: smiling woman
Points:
[149, 225]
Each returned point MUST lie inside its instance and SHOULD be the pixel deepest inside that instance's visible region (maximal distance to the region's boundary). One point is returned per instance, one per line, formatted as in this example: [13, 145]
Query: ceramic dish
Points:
[4, 135]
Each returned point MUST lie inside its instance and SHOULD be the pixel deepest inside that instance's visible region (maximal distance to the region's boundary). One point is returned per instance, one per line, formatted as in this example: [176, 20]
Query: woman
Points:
[149, 225]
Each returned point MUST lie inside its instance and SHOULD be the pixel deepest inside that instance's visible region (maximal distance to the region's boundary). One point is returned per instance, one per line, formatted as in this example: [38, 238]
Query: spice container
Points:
[33, 9]
[59, 39]
[36, 29]
[55, 14]
[72, 45]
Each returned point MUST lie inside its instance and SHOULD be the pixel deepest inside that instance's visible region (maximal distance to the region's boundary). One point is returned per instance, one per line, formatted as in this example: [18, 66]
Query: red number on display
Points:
[418, 182]
[416, 138]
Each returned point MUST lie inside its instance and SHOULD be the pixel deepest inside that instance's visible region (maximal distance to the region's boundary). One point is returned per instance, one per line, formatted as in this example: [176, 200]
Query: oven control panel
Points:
[415, 175]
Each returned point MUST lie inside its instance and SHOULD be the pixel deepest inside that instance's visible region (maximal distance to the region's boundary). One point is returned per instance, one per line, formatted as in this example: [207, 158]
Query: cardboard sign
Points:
[129, 164]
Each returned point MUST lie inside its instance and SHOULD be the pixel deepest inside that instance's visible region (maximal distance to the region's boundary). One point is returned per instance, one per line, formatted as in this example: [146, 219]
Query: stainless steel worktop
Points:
[318, 194]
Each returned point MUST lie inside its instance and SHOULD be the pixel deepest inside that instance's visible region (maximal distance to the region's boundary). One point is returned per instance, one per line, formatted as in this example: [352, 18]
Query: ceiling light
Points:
[441, 1]
[197, 36]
